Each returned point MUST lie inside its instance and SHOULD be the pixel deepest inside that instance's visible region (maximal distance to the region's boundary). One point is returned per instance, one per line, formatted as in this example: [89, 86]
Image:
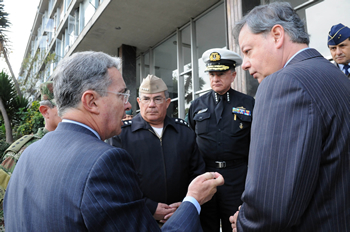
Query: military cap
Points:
[152, 84]
[46, 91]
[220, 59]
[338, 34]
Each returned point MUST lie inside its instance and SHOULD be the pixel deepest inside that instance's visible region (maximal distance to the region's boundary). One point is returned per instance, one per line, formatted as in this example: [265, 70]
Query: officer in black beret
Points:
[339, 45]
[222, 120]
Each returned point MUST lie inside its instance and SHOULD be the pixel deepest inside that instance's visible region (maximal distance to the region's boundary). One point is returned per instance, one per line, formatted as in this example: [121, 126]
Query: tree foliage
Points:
[29, 120]
[9, 97]
[4, 24]
[29, 85]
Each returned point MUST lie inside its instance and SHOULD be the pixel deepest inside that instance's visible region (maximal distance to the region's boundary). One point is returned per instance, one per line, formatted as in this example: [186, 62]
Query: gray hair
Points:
[262, 18]
[166, 94]
[81, 72]
[47, 103]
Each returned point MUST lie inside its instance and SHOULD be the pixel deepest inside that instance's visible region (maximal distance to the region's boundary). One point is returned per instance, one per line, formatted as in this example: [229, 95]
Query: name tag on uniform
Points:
[241, 110]
[202, 111]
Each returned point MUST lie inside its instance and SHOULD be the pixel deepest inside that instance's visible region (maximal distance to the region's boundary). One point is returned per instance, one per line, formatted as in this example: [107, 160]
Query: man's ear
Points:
[138, 101]
[168, 101]
[90, 101]
[277, 33]
[233, 75]
[44, 110]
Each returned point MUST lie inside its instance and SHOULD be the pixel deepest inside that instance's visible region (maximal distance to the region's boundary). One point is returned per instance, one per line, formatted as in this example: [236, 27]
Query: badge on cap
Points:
[214, 56]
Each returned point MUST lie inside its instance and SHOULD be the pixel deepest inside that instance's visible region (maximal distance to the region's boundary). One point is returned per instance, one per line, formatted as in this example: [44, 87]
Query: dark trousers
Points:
[226, 200]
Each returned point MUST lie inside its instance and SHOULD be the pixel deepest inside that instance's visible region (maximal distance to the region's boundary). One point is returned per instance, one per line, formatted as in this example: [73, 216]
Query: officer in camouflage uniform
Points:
[11, 155]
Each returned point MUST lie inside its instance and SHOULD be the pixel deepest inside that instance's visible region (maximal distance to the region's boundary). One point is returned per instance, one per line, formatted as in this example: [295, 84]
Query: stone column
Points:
[128, 55]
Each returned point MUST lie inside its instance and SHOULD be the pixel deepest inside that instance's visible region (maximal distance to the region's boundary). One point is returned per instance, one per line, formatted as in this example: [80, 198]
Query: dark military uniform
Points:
[164, 165]
[224, 147]
[9, 161]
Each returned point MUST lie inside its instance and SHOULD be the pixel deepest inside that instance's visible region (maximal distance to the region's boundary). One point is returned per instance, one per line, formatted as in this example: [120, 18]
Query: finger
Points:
[175, 205]
[207, 176]
[231, 219]
[219, 179]
[166, 217]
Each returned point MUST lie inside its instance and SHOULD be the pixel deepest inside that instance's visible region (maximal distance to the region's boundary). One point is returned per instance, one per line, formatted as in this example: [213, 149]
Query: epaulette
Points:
[19, 143]
[127, 123]
[181, 122]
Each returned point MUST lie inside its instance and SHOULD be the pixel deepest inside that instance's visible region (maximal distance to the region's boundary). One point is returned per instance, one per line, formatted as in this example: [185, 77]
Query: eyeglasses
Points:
[126, 95]
[157, 100]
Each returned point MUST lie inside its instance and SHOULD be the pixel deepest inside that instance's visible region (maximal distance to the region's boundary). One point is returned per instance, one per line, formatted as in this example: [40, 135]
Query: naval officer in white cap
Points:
[222, 120]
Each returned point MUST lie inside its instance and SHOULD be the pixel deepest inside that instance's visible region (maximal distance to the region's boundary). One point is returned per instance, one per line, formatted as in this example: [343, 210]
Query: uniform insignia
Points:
[202, 111]
[127, 123]
[241, 126]
[182, 122]
[214, 56]
[241, 110]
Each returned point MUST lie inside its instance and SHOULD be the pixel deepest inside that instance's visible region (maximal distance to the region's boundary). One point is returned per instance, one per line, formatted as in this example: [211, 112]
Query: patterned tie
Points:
[219, 107]
[346, 69]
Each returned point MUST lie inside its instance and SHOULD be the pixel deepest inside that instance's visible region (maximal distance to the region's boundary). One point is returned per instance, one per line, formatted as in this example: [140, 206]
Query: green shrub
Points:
[3, 144]
[30, 120]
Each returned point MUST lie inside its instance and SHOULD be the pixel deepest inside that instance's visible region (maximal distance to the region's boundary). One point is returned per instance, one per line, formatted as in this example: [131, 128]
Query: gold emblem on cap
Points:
[214, 56]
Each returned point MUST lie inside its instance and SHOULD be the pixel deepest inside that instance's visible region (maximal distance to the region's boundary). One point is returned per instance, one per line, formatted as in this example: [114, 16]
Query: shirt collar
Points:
[83, 125]
[295, 55]
[341, 66]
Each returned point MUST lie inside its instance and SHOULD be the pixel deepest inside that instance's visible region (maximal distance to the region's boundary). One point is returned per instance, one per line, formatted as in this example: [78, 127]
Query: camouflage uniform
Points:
[12, 154]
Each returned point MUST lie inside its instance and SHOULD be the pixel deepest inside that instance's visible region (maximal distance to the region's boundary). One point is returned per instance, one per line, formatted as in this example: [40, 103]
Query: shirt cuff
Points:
[193, 201]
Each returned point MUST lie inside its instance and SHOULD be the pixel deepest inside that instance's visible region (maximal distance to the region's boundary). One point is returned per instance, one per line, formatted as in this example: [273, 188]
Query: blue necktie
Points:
[346, 69]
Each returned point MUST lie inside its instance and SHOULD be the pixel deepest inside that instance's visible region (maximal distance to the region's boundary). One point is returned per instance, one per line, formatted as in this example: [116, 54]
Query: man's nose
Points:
[245, 64]
[338, 51]
[127, 106]
[152, 103]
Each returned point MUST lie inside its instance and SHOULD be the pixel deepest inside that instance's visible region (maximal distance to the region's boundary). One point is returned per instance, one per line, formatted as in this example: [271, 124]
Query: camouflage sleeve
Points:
[10, 160]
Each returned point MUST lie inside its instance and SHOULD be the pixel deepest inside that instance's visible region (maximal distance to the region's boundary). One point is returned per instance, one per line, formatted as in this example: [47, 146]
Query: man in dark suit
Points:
[339, 45]
[71, 180]
[298, 170]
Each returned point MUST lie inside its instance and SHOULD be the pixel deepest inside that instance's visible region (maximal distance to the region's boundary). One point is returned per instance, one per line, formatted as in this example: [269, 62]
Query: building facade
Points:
[164, 38]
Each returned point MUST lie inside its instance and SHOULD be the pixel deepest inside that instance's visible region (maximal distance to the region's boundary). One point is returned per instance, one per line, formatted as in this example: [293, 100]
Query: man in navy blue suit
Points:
[71, 180]
[298, 170]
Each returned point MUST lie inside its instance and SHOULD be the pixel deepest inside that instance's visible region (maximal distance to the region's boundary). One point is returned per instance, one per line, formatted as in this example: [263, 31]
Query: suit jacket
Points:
[72, 181]
[299, 162]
